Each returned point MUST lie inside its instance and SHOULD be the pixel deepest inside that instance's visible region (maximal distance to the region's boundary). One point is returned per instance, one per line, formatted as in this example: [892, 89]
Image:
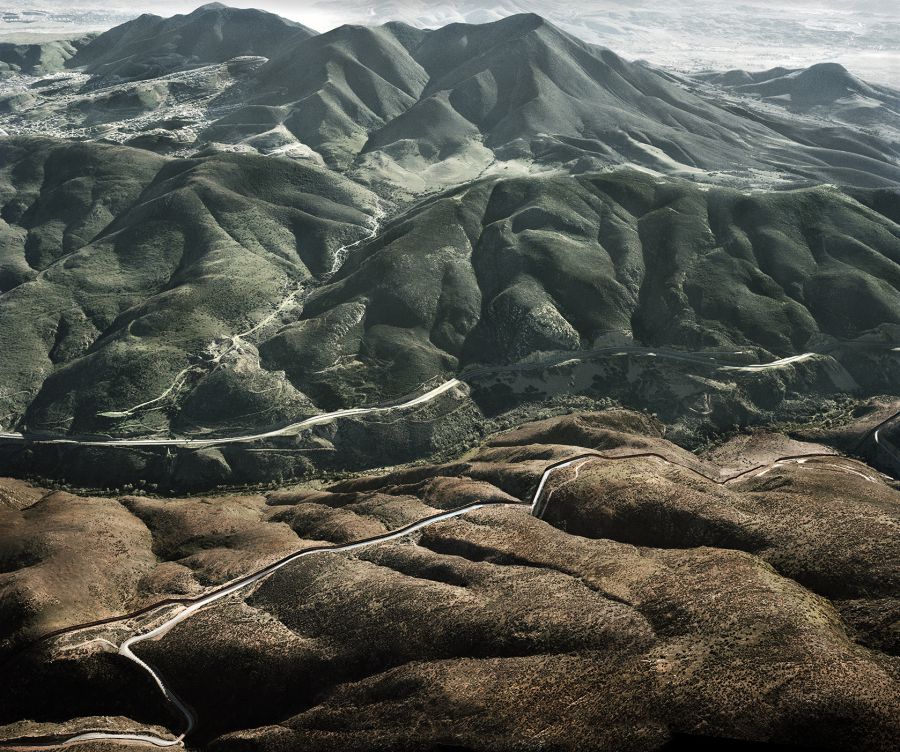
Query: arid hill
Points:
[653, 593]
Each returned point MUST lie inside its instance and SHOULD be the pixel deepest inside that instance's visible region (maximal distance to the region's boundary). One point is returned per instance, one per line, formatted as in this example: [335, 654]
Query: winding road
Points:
[705, 359]
[287, 430]
[536, 506]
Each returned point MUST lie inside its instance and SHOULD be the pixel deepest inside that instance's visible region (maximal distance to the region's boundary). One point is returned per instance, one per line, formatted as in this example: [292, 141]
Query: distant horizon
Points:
[686, 36]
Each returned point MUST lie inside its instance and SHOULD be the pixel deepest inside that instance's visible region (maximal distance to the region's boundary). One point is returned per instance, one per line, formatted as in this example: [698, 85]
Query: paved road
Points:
[192, 606]
[881, 441]
[243, 439]
[705, 359]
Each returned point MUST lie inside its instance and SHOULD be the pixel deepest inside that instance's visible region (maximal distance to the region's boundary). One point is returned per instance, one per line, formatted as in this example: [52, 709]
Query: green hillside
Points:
[124, 267]
[145, 294]
[502, 269]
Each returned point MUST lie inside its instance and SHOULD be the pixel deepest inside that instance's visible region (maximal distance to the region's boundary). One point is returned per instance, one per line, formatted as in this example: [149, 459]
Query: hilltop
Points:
[151, 45]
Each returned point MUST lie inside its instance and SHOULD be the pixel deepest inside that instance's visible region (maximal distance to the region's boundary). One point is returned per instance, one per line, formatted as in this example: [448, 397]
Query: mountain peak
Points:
[823, 83]
[526, 18]
[833, 68]
[834, 73]
[819, 84]
[521, 23]
[148, 45]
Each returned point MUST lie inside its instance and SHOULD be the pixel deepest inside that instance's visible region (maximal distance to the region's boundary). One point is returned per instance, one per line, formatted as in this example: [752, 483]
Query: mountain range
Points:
[407, 110]
[455, 388]
[415, 205]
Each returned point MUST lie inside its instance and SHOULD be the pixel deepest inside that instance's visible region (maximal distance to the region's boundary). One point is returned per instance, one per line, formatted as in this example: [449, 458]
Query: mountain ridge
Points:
[406, 111]
[212, 33]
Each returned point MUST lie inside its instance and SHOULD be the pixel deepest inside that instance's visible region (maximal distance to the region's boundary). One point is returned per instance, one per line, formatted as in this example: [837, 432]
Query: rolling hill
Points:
[644, 596]
[38, 58]
[120, 266]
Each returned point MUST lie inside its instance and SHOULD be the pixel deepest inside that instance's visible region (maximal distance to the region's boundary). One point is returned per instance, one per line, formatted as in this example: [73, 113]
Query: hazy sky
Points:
[683, 34]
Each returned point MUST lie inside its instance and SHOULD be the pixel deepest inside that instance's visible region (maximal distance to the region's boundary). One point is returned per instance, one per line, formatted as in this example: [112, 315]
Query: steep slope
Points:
[529, 90]
[500, 270]
[117, 282]
[409, 111]
[494, 274]
[690, 35]
[151, 45]
[520, 89]
[330, 91]
[465, 95]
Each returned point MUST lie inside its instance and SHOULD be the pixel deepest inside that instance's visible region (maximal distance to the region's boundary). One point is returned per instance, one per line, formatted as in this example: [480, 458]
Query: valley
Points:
[446, 381]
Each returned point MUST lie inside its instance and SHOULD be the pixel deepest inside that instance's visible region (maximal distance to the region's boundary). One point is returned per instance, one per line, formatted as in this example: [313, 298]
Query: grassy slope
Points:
[138, 274]
[502, 269]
